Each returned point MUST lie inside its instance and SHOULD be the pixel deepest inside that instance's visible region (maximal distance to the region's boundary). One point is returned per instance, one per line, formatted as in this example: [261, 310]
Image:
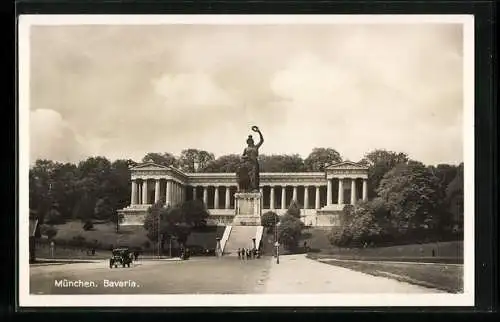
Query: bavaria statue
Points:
[248, 171]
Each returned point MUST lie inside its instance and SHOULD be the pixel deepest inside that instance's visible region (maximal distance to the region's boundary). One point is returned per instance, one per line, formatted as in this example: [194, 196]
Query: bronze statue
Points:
[248, 172]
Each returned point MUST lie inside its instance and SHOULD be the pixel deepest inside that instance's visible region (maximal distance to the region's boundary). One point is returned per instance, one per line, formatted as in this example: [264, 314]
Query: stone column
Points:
[294, 195]
[216, 197]
[205, 195]
[157, 190]
[194, 193]
[353, 191]
[317, 198]
[139, 193]
[329, 193]
[306, 197]
[144, 192]
[182, 192]
[271, 201]
[283, 197]
[365, 190]
[341, 191]
[168, 193]
[133, 195]
[228, 200]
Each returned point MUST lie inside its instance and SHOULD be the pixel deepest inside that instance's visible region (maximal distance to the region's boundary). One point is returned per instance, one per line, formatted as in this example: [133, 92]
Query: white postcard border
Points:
[294, 300]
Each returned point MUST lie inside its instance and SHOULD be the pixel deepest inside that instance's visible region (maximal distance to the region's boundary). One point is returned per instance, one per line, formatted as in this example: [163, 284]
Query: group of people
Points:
[248, 253]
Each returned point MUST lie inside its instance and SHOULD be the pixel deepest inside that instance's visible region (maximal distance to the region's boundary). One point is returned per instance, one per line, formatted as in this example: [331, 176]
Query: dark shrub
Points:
[88, 225]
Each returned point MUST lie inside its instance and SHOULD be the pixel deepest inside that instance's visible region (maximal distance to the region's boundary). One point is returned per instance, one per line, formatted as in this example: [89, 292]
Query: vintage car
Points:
[120, 256]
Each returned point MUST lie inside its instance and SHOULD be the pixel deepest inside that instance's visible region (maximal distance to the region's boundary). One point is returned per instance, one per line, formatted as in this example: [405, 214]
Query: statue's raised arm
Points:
[261, 140]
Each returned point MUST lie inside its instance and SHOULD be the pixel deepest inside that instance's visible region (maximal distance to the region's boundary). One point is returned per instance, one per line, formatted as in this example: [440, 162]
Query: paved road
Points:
[294, 274]
[310, 276]
[194, 276]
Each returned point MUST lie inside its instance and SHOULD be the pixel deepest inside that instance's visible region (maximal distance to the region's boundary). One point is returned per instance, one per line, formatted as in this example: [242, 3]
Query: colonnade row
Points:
[274, 197]
[170, 191]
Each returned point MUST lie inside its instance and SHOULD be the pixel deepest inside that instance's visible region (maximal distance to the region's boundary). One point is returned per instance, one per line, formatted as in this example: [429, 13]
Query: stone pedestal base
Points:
[248, 209]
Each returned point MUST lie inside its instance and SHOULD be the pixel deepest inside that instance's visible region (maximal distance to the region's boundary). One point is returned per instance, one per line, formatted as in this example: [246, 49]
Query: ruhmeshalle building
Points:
[321, 195]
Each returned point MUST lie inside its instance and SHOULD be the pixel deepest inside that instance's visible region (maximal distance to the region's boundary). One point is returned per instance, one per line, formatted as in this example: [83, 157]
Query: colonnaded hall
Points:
[320, 195]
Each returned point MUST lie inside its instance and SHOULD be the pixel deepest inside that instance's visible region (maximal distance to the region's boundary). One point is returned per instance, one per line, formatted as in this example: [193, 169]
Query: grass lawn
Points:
[440, 276]
[105, 235]
[449, 251]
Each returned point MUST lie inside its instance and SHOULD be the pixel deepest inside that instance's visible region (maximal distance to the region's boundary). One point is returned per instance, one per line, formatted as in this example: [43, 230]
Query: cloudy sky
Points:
[123, 91]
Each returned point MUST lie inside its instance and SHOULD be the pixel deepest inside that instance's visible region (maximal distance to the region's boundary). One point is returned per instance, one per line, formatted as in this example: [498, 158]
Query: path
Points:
[298, 274]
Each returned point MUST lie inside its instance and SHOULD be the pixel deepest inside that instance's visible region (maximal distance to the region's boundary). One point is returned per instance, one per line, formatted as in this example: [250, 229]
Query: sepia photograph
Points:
[218, 160]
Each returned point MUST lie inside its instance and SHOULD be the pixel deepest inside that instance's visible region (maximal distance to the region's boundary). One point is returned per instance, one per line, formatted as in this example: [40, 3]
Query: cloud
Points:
[124, 91]
[195, 91]
[52, 138]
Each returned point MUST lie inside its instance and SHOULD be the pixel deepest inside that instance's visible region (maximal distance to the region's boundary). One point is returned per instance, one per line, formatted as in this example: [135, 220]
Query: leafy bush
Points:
[293, 209]
[88, 225]
[290, 231]
[53, 217]
[269, 220]
[49, 231]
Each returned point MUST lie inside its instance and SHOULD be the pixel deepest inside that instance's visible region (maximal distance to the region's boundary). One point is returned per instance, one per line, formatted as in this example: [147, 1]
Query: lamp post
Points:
[170, 247]
[218, 250]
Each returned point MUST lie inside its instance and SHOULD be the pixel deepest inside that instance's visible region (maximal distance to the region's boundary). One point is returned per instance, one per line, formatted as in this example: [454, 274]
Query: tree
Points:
[103, 209]
[293, 209]
[269, 220]
[445, 173]
[120, 180]
[455, 198]
[84, 208]
[117, 219]
[380, 162]
[153, 222]
[281, 163]
[165, 159]
[413, 197]
[226, 164]
[290, 231]
[193, 160]
[319, 157]
[53, 217]
[88, 225]
[49, 231]
[362, 224]
[95, 182]
[177, 221]
[41, 185]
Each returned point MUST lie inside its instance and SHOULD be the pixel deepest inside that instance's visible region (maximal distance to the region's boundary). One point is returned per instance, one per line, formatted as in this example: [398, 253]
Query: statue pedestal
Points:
[247, 209]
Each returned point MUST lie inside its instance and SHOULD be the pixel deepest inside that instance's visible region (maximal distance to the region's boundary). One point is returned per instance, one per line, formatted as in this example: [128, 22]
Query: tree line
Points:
[95, 188]
[404, 194]
[410, 203]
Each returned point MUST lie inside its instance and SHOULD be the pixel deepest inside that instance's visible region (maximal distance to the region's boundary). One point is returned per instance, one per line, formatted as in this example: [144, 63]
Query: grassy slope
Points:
[104, 233]
[440, 276]
[317, 238]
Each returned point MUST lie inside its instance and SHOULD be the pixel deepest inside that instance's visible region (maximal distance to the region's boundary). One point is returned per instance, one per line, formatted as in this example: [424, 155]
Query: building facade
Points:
[320, 195]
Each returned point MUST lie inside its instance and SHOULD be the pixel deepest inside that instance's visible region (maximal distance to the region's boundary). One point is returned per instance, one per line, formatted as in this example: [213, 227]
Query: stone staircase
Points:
[241, 237]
